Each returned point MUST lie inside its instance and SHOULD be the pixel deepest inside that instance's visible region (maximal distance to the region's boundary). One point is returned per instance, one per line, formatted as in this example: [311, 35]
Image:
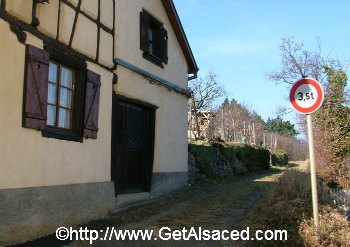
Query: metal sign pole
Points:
[312, 171]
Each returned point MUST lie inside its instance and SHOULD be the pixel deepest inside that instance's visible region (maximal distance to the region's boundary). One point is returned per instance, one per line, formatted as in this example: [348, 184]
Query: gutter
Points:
[154, 78]
[194, 76]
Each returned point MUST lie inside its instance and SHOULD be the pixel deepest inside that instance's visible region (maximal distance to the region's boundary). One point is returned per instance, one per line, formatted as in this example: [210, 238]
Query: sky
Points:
[239, 41]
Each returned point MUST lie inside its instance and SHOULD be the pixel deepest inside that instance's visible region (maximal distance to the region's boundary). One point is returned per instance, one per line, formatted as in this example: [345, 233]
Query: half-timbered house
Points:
[93, 108]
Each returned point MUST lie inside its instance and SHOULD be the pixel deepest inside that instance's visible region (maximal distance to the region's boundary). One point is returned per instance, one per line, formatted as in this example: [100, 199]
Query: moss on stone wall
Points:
[279, 158]
[224, 159]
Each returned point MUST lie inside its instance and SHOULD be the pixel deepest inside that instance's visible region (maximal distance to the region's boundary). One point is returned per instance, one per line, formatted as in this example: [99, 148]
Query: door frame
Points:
[149, 142]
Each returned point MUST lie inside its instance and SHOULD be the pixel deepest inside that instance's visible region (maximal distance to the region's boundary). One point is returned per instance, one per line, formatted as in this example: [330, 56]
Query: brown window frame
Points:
[75, 133]
[85, 111]
[158, 54]
[58, 86]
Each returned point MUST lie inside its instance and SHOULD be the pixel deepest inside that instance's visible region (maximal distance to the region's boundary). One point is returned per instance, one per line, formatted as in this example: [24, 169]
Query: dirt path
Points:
[213, 207]
[217, 206]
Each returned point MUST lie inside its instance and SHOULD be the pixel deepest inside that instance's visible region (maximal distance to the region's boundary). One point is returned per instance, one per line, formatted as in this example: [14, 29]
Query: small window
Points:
[153, 39]
[60, 96]
[65, 97]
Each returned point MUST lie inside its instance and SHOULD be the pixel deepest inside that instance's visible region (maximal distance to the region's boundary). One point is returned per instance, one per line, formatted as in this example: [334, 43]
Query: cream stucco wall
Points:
[26, 158]
[128, 40]
[170, 151]
[21, 9]
[85, 38]
[48, 18]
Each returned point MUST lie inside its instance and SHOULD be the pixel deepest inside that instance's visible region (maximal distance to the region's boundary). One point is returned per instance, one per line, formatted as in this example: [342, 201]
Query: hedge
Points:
[254, 159]
[279, 158]
[204, 154]
[264, 158]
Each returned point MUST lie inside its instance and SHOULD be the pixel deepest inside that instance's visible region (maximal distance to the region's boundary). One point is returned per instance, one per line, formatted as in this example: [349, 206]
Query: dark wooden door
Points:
[132, 146]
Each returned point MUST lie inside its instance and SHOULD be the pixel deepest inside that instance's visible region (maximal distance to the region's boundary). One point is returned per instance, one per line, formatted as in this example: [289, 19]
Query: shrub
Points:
[263, 158]
[333, 229]
[204, 154]
[284, 205]
[233, 153]
[241, 157]
[251, 159]
[279, 158]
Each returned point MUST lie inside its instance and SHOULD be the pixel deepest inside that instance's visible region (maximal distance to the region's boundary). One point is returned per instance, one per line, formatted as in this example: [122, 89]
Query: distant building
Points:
[205, 121]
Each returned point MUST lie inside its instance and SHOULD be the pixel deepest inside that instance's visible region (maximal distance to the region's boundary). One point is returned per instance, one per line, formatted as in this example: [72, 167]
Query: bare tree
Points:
[297, 62]
[238, 123]
[204, 92]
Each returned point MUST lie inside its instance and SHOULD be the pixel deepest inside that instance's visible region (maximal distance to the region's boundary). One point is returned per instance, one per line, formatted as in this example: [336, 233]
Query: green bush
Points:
[237, 153]
[254, 159]
[264, 158]
[251, 159]
[279, 158]
[204, 154]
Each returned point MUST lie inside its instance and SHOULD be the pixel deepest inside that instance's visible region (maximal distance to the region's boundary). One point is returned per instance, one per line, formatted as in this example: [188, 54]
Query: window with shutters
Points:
[61, 95]
[153, 39]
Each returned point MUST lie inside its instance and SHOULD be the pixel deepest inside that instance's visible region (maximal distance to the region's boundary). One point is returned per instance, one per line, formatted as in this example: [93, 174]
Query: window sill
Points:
[157, 61]
[61, 134]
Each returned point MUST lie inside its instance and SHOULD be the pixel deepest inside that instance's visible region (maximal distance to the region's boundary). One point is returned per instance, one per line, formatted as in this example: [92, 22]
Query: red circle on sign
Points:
[319, 100]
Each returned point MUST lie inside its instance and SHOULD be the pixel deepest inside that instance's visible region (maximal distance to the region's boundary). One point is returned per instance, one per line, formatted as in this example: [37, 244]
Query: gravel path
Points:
[215, 207]
[221, 206]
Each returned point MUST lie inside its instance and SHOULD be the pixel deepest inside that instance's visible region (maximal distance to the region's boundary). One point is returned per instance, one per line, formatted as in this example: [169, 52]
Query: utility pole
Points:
[244, 128]
[264, 140]
[271, 141]
[254, 135]
[233, 129]
[250, 137]
[313, 171]
[222, 124]
[275, 141]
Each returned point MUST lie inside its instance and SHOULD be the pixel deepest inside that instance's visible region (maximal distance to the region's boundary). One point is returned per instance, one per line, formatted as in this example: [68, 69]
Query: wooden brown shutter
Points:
[164, 38]
[144, 24]
[35, 88]
[92, 100]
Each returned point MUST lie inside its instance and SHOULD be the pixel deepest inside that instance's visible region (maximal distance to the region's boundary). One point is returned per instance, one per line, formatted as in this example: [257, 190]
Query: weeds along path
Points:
[220, 206]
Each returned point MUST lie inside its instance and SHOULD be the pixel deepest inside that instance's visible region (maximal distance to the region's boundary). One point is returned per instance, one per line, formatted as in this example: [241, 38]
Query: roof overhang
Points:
[180, 35]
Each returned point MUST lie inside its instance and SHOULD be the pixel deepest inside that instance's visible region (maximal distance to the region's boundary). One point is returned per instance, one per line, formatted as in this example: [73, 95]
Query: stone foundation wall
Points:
[30, 213]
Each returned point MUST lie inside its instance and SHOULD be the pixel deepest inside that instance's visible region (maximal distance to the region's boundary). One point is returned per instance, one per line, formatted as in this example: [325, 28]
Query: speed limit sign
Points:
[306, 95]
